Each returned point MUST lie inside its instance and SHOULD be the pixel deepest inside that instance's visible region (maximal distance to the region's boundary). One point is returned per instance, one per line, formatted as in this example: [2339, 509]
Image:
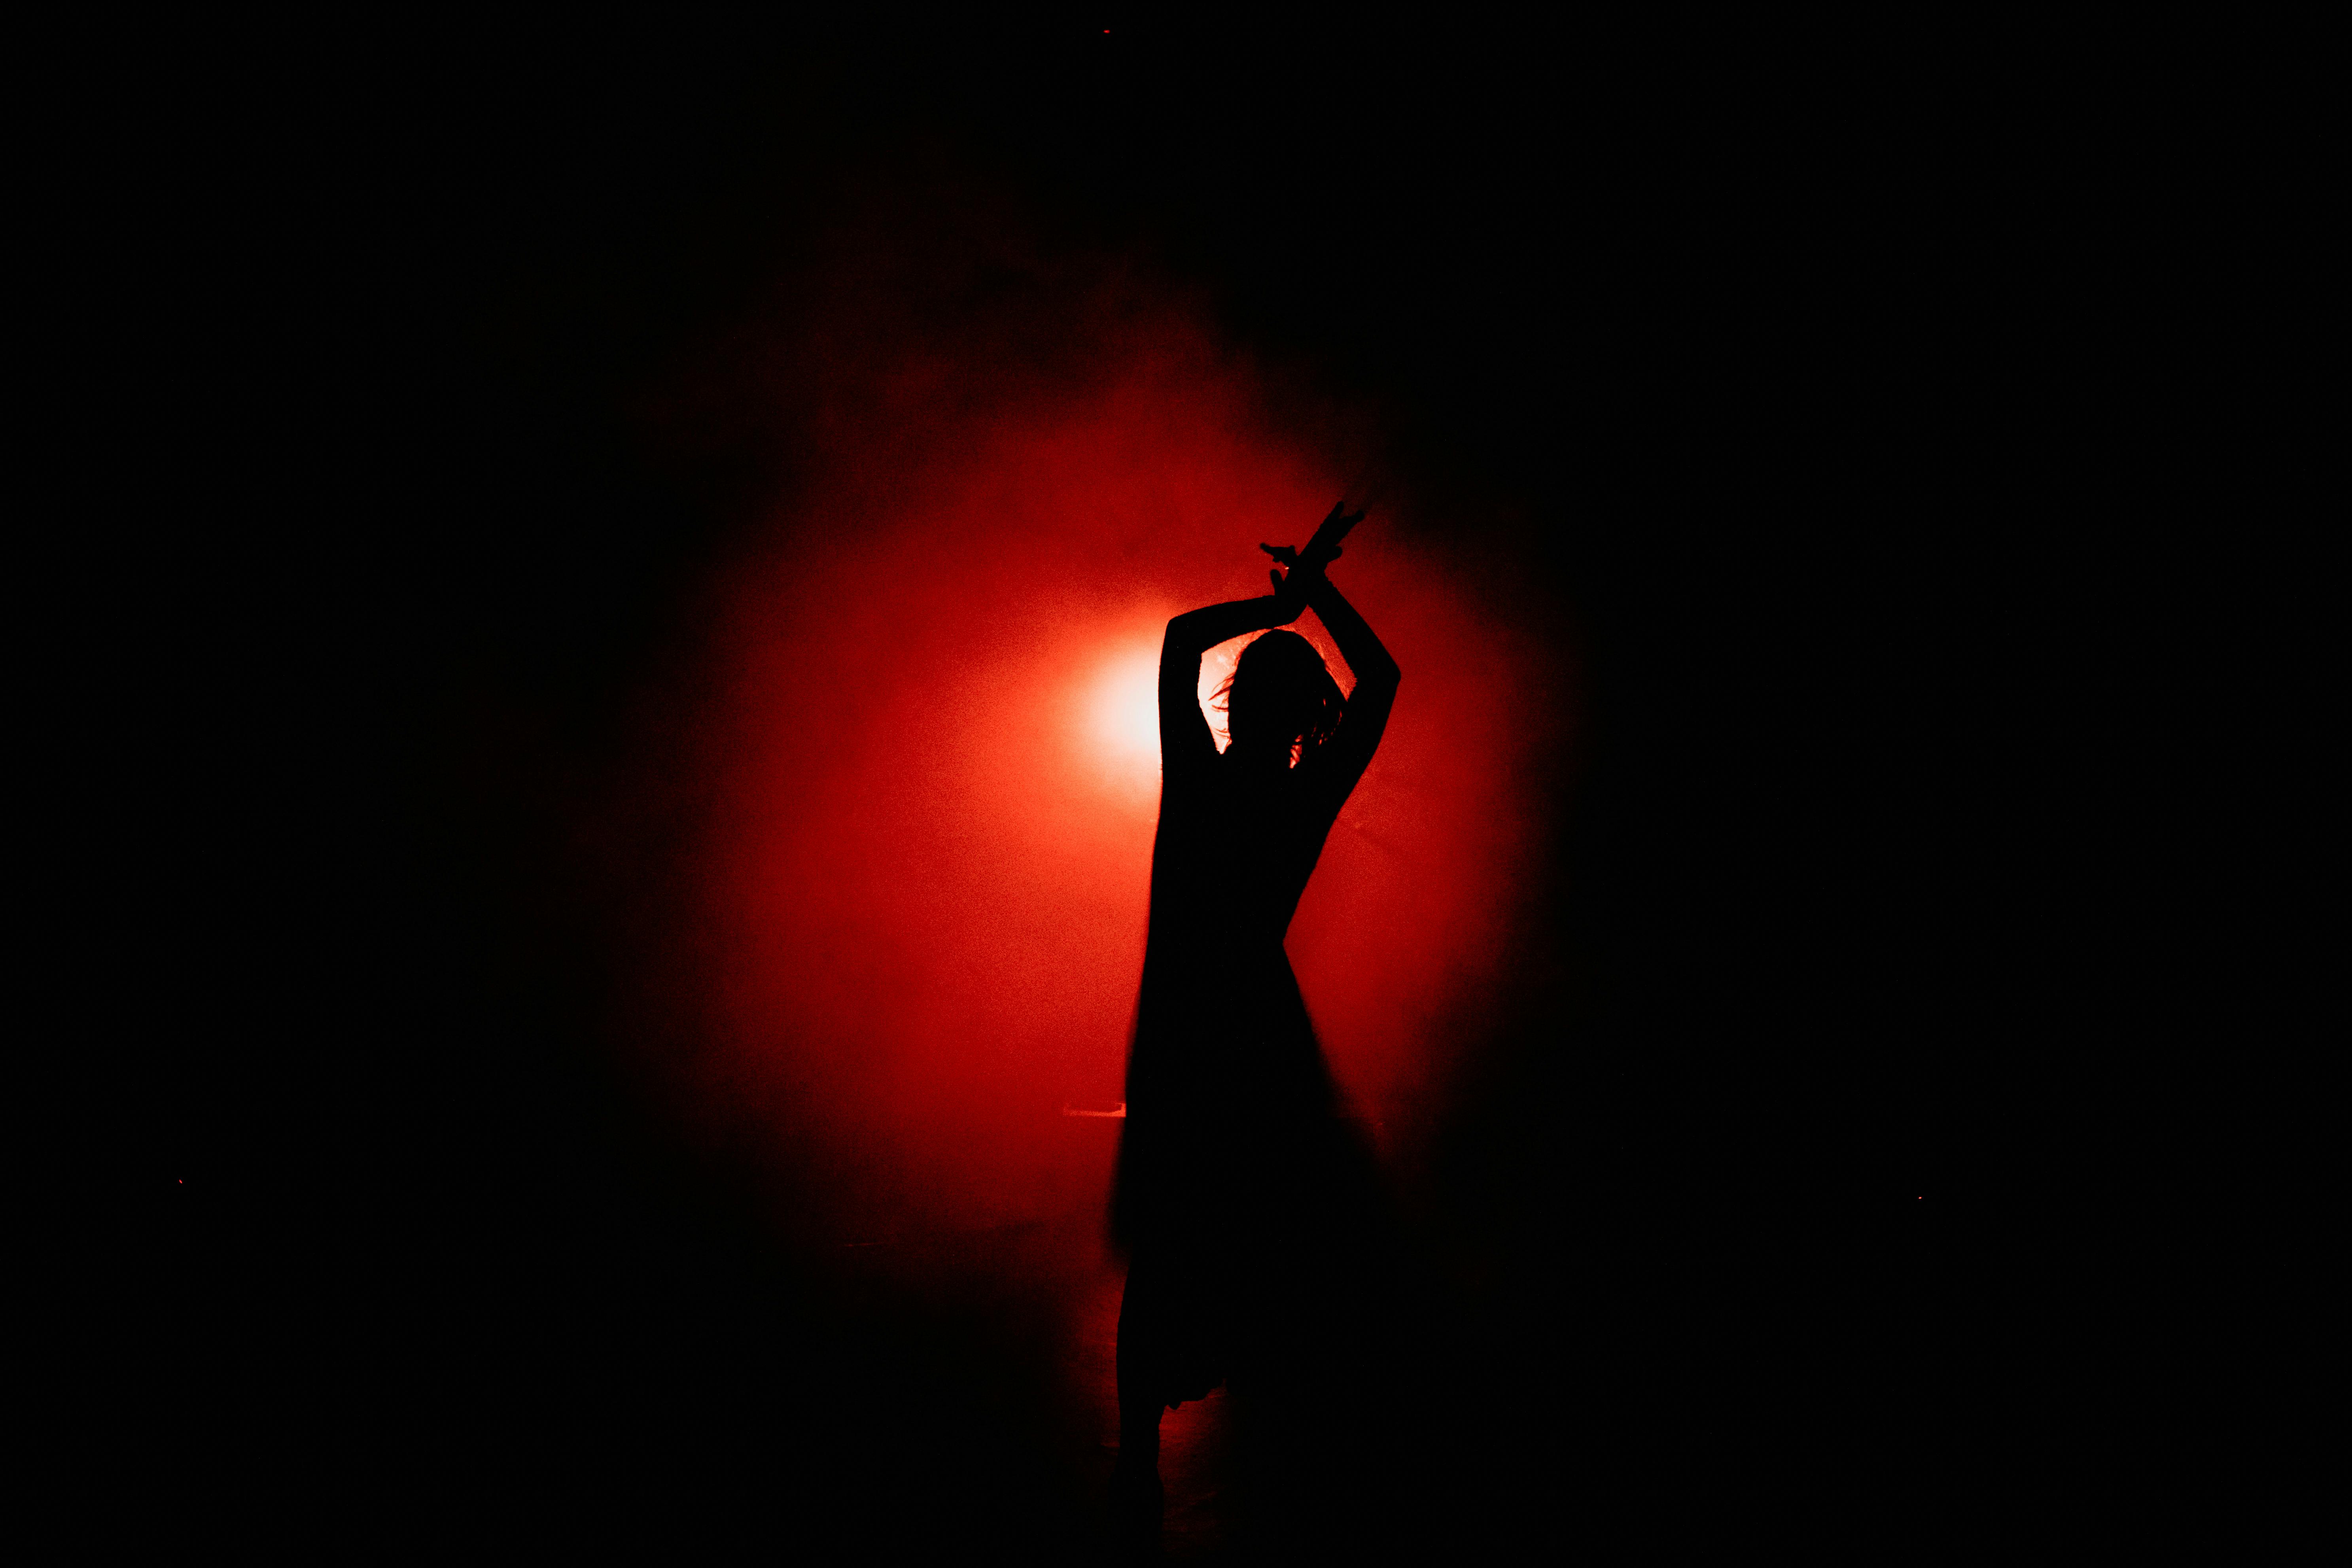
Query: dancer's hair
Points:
[1281, 691]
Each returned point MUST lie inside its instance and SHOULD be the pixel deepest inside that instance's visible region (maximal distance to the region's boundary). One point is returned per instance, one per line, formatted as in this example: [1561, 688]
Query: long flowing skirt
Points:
[1244, 1199]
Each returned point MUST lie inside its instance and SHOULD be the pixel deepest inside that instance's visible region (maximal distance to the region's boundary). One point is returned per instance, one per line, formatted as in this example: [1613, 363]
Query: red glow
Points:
[928, 771]
[1122, 710]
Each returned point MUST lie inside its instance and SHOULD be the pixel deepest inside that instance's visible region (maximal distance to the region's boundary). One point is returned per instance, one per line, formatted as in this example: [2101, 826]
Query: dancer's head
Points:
[1281, 695]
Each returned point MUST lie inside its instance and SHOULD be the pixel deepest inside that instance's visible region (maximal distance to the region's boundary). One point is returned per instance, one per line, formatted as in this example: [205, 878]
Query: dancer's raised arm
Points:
[1342, 760]
[1307, 584]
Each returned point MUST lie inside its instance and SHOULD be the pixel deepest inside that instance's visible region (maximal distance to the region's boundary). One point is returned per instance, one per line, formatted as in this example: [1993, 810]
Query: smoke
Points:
[918, 743]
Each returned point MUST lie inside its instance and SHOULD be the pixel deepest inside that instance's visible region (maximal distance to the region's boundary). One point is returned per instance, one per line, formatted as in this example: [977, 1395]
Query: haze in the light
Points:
[916, 907]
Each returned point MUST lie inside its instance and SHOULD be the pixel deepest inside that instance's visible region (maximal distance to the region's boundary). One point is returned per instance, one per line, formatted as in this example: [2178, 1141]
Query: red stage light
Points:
[925, 759]
[1123, 713]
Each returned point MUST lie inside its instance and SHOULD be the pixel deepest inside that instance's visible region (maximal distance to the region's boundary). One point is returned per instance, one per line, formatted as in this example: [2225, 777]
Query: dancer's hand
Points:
[1303, 572]
[1294, 581]
[1324, 546]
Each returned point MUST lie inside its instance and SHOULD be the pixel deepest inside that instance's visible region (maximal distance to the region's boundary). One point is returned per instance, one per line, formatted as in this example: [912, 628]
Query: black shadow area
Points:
[1826, 396]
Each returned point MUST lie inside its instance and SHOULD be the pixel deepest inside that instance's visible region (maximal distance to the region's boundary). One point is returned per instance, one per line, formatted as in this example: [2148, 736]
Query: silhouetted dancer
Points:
[1237, 1180]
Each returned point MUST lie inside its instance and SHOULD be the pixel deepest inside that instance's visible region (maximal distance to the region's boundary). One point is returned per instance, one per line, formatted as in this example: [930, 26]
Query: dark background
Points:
[1873, 411]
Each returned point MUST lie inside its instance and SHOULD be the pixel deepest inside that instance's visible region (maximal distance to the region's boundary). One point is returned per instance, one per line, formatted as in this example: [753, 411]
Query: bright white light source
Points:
[1125, 706]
